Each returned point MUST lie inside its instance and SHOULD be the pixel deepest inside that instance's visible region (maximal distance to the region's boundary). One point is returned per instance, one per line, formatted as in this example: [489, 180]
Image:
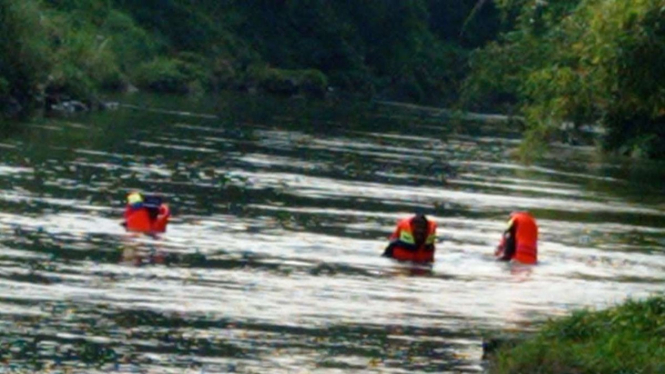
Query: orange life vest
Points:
[138, 220]
[526, 238]
[406, 250]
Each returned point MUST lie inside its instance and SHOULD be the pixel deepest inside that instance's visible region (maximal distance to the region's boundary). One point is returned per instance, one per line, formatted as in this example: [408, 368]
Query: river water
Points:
[281, 209]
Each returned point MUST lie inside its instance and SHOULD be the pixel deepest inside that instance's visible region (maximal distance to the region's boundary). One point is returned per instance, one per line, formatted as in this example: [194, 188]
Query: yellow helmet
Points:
[134, 198]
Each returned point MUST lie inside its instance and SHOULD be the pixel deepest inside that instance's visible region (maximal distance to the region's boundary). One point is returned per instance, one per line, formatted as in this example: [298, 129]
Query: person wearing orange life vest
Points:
[520, 240]
[146, 213]
[413, 240]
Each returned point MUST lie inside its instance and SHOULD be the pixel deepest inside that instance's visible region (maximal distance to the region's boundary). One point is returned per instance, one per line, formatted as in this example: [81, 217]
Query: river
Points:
[281, 209]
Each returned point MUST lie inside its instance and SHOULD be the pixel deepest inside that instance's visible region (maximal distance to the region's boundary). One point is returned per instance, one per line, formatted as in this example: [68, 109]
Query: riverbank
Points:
[629, 338]
[55, 52]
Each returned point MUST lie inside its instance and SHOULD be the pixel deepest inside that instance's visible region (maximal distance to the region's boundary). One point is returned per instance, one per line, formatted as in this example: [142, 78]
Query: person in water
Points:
[520, 240]
[146, 213]
[413, 240]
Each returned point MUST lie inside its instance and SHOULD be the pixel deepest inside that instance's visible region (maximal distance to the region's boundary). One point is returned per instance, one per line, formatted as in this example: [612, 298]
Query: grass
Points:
[629, 338]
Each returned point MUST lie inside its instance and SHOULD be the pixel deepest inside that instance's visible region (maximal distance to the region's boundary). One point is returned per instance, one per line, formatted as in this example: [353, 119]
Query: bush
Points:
[273, 80]
[184, 74]
[25, 56]
[583, 62]
[625, 339]
[131, 44]
[360, 81]
[4, 87]
[113, 80]
[313, 82]
[161, 75]
[68, 81]
[194, 66]
[223, 74]
[84, 60]
[9, 107]
[288, 82]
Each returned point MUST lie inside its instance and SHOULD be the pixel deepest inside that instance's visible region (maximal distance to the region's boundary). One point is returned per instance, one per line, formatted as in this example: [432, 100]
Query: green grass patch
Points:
[625, 339]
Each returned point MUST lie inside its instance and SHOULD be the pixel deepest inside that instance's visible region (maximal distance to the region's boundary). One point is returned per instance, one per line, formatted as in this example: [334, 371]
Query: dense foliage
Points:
[624, 339]
[412, 50]
[583, 62]
[575, 62]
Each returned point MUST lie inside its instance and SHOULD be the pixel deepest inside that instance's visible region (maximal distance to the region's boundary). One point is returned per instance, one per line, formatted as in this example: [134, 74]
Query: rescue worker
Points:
[520, 240]
[413, 240]
[146, 213]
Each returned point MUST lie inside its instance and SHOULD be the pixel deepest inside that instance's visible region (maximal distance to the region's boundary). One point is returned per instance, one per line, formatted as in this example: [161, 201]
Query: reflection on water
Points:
[281, 211]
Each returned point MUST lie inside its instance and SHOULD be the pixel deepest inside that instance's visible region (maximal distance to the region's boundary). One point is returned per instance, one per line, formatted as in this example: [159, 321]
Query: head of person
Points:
[134, 198]
[419, 226]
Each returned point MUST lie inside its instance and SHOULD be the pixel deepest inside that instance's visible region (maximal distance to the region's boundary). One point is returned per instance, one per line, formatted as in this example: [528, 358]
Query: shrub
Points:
[223, 74]
[313, 82]
[583, 62]
[277, 81]
[162, 75]
[625, 339]
[25, 57]
[83, 59]
[131, 44]
[288, 82]
[183, 74]
[4, 87]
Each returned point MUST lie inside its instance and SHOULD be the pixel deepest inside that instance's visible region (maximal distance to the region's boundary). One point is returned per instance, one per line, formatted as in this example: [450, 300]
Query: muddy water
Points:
[281, 210]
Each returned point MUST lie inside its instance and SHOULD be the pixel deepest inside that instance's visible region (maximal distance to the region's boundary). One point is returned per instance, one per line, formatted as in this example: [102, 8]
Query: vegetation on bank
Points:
[626, 339]
[580, 62]
[408, 50]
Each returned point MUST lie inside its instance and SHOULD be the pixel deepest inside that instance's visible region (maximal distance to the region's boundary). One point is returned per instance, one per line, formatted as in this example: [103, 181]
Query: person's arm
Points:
[430, 241]
[394, 238]
[509, 243]
[501, 247]
[388, 252]
[164, 211]
[129, 209]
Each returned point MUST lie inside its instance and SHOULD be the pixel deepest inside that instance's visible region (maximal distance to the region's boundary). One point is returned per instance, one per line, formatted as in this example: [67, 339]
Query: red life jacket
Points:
[526, 238]
[405, 249]
[138, 220]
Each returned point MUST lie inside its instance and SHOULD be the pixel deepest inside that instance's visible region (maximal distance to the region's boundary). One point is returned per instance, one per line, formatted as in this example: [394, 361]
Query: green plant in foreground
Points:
[626, 339]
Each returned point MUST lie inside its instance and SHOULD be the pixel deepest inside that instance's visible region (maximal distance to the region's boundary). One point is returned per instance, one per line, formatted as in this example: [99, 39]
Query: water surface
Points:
[281, 210]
